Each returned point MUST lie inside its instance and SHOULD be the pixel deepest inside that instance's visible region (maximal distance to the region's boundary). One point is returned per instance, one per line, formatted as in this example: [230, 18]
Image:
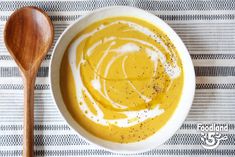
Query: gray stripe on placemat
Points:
[47, 86]
[163, 17]
[8, 57]
[193, 56]
[200, 71]
[57, 140]
[172, 5]
[14, 72]
[20, 86]
[86, 152]
[212, 56]
[57, 127]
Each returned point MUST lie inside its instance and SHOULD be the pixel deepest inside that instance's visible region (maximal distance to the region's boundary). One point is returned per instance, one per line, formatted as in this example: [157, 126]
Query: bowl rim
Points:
[189, 92]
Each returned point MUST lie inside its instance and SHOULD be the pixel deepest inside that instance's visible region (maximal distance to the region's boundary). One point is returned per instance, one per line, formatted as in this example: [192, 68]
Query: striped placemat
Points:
[207, 27]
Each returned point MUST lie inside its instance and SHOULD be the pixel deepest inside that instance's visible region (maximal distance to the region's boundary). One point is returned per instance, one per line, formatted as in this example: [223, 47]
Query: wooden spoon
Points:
[28, 36]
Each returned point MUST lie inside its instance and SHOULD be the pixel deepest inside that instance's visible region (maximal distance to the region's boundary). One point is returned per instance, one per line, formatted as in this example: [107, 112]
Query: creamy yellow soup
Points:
[121, 79]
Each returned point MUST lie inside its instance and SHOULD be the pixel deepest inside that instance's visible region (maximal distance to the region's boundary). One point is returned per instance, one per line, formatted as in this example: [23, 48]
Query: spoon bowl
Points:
[28, 35]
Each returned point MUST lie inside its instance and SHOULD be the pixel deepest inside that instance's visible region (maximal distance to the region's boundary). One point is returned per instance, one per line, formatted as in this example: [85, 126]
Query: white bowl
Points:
[179, 115]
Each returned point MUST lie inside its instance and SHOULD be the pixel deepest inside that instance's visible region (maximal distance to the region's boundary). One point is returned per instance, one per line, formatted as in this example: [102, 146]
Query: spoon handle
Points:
[28, 137]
